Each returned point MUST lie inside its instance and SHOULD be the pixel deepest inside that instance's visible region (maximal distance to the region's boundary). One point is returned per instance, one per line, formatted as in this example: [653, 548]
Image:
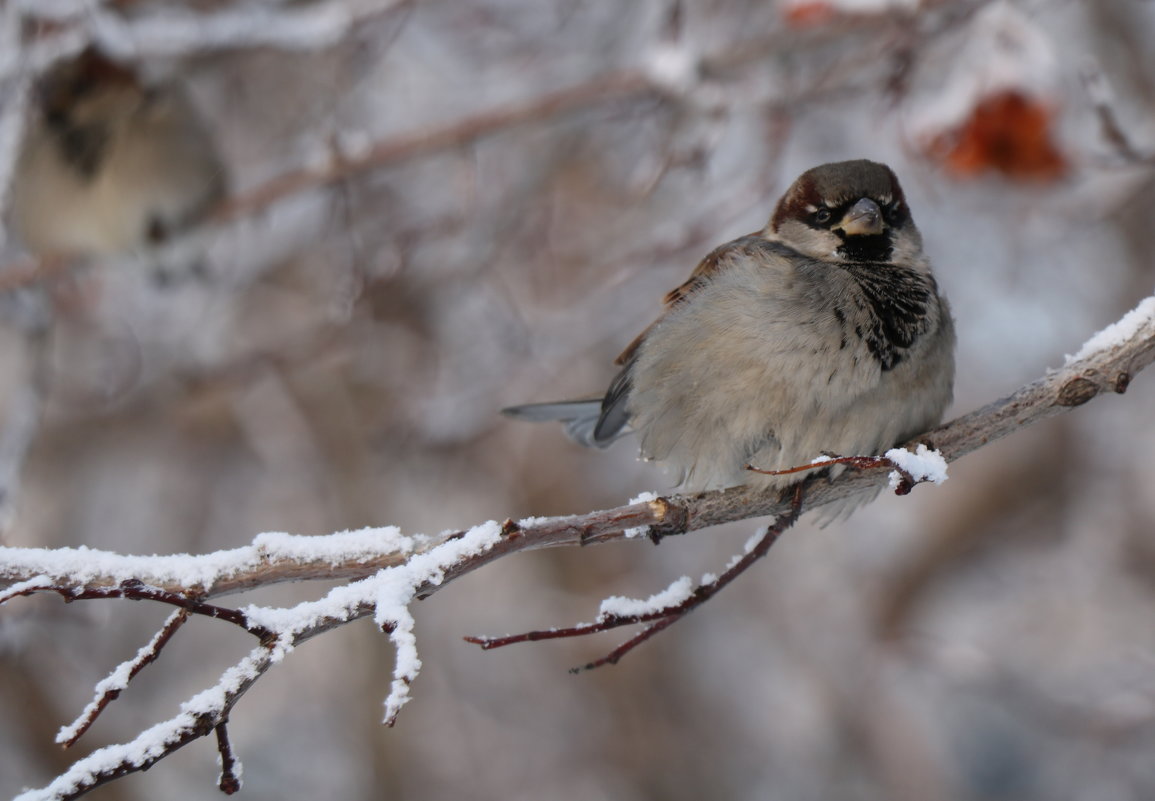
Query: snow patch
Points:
[922, 465]
[619, 606]
[673, 66]
[387, 594]
[1119, 332]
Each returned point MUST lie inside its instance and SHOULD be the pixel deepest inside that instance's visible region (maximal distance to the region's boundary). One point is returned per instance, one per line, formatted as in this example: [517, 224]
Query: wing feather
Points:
[701, 276]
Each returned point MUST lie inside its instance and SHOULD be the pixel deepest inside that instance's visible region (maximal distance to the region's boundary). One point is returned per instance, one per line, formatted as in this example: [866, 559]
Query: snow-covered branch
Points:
[389, 571]
[1105, 364]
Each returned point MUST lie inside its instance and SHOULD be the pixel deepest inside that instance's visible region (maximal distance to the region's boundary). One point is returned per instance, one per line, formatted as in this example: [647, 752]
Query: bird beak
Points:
[863, 219]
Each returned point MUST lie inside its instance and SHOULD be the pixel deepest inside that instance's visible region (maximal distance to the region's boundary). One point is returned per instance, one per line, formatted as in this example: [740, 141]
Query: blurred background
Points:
[484, 203]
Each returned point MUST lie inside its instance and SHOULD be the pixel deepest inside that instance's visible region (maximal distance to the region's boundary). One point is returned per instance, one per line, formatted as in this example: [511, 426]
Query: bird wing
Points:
[615, 406]
[580, 418]
[701, 276]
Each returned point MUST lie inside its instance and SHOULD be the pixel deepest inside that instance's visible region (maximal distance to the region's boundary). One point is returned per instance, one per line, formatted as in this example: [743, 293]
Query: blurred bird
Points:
[110, 165]
[823, 333]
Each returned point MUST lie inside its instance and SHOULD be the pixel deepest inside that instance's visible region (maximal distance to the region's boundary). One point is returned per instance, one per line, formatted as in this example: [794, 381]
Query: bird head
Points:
[847, 211]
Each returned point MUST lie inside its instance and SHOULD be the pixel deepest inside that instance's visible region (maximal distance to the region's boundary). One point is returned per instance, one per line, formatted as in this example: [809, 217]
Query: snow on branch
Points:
[388, 571]
[172, 31]
[386, 595]
[271, 559]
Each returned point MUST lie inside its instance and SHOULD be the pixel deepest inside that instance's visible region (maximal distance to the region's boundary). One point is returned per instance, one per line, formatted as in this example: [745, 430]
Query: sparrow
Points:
[110, 164]
[824, 333]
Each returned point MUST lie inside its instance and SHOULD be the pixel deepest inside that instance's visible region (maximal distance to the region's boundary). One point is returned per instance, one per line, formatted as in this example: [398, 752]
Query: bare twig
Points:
[662, 616]
[905, 484]
[230, 780]
[136, 590]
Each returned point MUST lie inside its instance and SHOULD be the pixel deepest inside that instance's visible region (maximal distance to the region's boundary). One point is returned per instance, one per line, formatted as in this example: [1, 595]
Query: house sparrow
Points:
[110, 165]
[823, 333]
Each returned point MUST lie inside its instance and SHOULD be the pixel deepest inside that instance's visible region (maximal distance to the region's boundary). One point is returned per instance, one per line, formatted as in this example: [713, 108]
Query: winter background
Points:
[559, 166]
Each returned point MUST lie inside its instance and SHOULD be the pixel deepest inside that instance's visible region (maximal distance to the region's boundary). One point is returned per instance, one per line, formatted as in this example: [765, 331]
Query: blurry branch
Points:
[1099, 91]
[390, 571]
[346, 162]
[171, 31]
[705, 82]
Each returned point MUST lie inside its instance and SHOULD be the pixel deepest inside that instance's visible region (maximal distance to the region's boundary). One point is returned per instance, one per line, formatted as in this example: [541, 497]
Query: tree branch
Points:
[394, 570]
[1106, 364]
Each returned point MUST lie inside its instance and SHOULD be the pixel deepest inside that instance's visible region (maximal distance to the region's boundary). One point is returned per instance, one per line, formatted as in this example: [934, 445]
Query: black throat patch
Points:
[865, 248]
[897, 301]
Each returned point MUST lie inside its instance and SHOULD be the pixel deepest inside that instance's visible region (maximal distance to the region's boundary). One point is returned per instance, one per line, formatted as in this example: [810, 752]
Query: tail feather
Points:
[580, 418]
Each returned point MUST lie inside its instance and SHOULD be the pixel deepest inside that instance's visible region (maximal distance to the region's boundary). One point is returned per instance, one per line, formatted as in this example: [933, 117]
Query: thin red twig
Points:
[859, 462]
[229, 782]
[135, 590]
[662, 617]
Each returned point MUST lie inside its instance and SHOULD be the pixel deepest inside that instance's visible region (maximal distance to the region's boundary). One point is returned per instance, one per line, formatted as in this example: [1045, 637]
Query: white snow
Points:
[153, 742]
[1131, 324]
[355, 144]
[619, 606]
[36, 583]
[1004, 50]
[753, 540]
[84, 565]
[645, 497]
[922, 465]
[387, 594]
[341, 547]
[528, 522]
[673, 66]
[177, 32]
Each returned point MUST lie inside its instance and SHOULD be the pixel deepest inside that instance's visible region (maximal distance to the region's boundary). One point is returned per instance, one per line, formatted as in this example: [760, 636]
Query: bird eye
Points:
[822, 216]
[894, 212]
